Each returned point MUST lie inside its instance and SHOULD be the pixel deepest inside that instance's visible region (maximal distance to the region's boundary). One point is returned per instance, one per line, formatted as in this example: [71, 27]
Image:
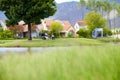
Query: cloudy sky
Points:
[60, 1]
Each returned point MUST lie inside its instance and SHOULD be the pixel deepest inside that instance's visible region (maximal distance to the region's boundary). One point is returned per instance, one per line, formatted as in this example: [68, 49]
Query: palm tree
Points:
[114, 7]
[118, 9]
[90, 5]
[107, 8]
[82, 4]
[98, 6]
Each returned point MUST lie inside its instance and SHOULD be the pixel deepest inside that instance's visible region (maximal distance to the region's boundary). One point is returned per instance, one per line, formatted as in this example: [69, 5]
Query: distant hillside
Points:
[71, 12]
[68, 11]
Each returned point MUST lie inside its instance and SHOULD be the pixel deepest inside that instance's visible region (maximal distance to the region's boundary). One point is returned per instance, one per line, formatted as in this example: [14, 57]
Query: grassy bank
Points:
[49, 42]
[77, 63]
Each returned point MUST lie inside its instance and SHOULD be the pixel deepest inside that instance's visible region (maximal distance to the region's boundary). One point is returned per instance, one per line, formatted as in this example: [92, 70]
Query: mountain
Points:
[70, 11]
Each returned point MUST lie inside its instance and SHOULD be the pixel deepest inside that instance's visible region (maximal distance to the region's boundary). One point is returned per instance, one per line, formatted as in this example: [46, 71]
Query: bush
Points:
[43, 31]
[6, 34]
[83, 33]
[56, 27]
[107, 32]
[70, 35]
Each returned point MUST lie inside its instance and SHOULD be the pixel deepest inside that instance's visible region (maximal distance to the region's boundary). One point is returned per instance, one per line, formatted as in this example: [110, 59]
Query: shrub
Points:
[43, 31]
[107, 31]
[70, 35]
[83, 33]
[6, 34]
[56, 27]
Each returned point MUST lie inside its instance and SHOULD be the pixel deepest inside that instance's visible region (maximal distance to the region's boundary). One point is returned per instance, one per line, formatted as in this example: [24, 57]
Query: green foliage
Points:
[94, 20]
[118, 9]
[56, 27]
[70, 35]
[82, 2]
[107, 31]
[6, 34]
[91, 5]
[0, 25]
[43, 31]
[30, 11]
[1, 29]
[83, 33]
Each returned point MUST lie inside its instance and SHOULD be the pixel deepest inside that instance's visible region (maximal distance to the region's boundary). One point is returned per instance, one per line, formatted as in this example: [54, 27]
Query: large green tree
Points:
[94, 20]
[30, 11]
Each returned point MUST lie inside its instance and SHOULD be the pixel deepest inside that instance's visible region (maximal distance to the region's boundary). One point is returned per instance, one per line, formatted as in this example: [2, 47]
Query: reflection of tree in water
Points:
[29, 50]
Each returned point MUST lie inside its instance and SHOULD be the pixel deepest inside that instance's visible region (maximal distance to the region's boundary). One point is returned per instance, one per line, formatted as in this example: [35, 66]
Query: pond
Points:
[4, 50]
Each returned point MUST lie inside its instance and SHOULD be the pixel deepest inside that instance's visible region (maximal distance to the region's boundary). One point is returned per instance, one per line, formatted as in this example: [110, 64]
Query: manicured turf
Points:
[49, 42]
[70, 63]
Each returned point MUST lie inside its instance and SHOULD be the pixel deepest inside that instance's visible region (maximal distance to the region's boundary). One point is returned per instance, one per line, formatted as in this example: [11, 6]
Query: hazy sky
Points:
[60, 1]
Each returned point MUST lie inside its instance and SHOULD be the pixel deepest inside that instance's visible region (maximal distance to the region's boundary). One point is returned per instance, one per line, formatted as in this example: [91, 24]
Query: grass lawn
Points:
[73, 63]
[49, 42]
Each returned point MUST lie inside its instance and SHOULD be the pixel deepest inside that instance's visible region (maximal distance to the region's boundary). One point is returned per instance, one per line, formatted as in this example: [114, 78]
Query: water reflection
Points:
[26, 50]
[13, 50]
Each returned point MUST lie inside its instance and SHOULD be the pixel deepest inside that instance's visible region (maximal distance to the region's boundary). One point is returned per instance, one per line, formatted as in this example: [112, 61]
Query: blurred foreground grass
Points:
[74, 63]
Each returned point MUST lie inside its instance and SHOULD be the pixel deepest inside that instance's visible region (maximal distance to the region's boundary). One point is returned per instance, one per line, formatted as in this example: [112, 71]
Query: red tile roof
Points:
[81, 23]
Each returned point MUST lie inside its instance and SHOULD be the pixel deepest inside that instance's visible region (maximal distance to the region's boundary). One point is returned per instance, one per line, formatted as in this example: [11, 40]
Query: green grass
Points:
[49, 42]
[109, 39]
[74, 63]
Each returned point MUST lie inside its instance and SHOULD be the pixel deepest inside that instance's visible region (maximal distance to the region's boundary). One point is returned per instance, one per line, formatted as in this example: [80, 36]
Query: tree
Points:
[114, 7]
[30, 11]
[82, 4]
[91, 5]
[99, 6]
[94, 20]
[56, 27]
[107, 8]
[0, 25]
[118, 9]
[16, 29]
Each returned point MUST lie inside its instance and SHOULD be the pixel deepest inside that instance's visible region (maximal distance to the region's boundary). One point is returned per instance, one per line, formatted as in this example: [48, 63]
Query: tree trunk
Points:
[108, 18]
[82, 9]
[114, 22]
[29, 31]
[102, 13]
[114, 19]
